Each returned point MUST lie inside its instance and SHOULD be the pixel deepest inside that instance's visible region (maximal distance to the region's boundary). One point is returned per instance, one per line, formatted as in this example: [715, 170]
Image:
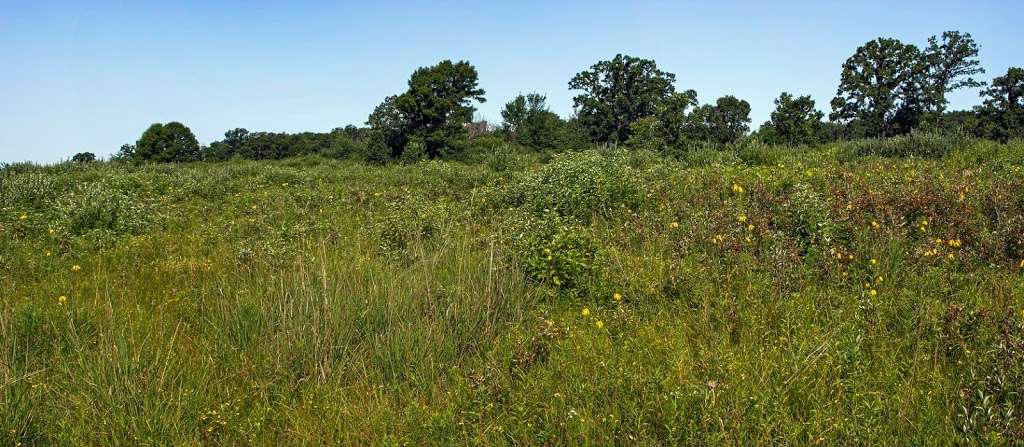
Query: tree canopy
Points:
[617, 92]
[171, 142]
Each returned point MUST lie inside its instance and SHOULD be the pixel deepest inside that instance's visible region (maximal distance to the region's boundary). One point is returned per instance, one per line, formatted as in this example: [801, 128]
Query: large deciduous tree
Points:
[171, 142]
[617, 93]
[950, 64]
[438, 105]
[1002, 114]
[431, 115]
[888, 87]
[881, 88]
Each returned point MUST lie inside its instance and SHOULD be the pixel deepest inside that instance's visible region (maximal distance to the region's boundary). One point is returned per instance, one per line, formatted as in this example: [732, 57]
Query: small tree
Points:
[618, 92]
[171, 142]
[527, 120]
[795, 121]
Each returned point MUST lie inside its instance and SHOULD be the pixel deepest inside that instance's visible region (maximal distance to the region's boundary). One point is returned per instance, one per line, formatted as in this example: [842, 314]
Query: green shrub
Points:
[555, 252]
[914, 144]
[579, 185]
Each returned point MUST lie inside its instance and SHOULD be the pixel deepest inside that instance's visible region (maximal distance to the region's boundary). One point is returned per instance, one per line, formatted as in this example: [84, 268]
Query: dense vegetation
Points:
[743, 296]
[647, 272]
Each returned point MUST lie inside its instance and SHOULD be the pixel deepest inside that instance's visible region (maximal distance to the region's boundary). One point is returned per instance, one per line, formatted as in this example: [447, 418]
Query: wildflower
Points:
[867, 285]
[1022, 263]
[585, 312]
[736, 188]
[599, 324]
[879, 279]
[951, 256]
[673, 225]
[76, 268]
[254, 207]
[850, 257]
[873, 292]
[62, 300]
[617, 296]
[742, 218]
[875, 225]
[750, 227]
[874, 261]
[23, 217]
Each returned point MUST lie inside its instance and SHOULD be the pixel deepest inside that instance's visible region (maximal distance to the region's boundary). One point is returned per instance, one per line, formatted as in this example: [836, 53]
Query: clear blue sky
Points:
[92, 75]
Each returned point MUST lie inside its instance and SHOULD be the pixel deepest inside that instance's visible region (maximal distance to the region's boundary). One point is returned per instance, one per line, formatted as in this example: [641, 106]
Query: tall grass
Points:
[768, 296]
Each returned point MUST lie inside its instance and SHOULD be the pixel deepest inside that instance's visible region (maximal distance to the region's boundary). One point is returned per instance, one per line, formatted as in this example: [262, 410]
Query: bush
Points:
[579, 185]
[555, 252]
[914, 144]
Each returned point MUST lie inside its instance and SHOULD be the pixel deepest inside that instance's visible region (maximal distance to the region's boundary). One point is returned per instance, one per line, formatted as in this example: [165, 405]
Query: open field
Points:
[764, 295]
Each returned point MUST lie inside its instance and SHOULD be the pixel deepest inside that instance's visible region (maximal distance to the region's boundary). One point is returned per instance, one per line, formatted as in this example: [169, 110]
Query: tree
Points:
[438, 105]
[724, 122]
[795, 121]
[881, 87]
[666, 129]
[950, 65]
[171, 142]
[528, 121]
[388, 130]
[1002, 113]
[84, 157]
[618, 92]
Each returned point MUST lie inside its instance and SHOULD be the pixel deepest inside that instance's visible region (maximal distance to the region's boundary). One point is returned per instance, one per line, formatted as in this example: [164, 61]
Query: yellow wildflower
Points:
[875, 225]
[742, 218]
[585, 312]
[873, 292]
[76, 268]
[879, 279]
[23, 217]
[599, 324]
[736, 188]
[617, 296]
[874, 261]
[673, 225]
[951, 256]
[62, 300]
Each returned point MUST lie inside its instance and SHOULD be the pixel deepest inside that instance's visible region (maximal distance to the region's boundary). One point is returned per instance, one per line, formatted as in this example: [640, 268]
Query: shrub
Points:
[579, 185]
[914, 144]
[555, 252]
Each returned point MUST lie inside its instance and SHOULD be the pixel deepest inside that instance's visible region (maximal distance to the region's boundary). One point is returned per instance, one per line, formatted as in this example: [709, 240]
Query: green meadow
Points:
[831, 295]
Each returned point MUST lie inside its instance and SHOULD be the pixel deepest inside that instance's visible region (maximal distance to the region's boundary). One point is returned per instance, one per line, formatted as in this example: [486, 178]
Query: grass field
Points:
[759, 296]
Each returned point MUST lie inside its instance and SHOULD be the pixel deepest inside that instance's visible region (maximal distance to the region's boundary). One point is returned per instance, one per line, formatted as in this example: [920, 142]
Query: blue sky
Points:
[92, 75]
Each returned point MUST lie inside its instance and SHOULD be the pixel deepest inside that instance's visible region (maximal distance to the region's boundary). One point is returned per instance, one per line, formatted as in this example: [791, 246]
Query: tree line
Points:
[887, 88]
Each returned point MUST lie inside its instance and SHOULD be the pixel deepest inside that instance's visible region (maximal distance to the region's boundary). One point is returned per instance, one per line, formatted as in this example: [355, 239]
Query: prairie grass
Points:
[769, 296]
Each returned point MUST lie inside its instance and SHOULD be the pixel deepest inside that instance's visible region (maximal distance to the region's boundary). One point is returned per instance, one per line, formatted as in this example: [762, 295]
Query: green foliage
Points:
[889, 88]
[171, 142]
[84, 157]
[528, 121]
[555, 252]
[578, 185]
[1002, 114]
[914, 144]
[437, 105]
[618, 92]
[724, 122]
[794, 122]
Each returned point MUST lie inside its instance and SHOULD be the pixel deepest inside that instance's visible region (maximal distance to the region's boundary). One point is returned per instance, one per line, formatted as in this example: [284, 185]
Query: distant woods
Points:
[887, 88]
